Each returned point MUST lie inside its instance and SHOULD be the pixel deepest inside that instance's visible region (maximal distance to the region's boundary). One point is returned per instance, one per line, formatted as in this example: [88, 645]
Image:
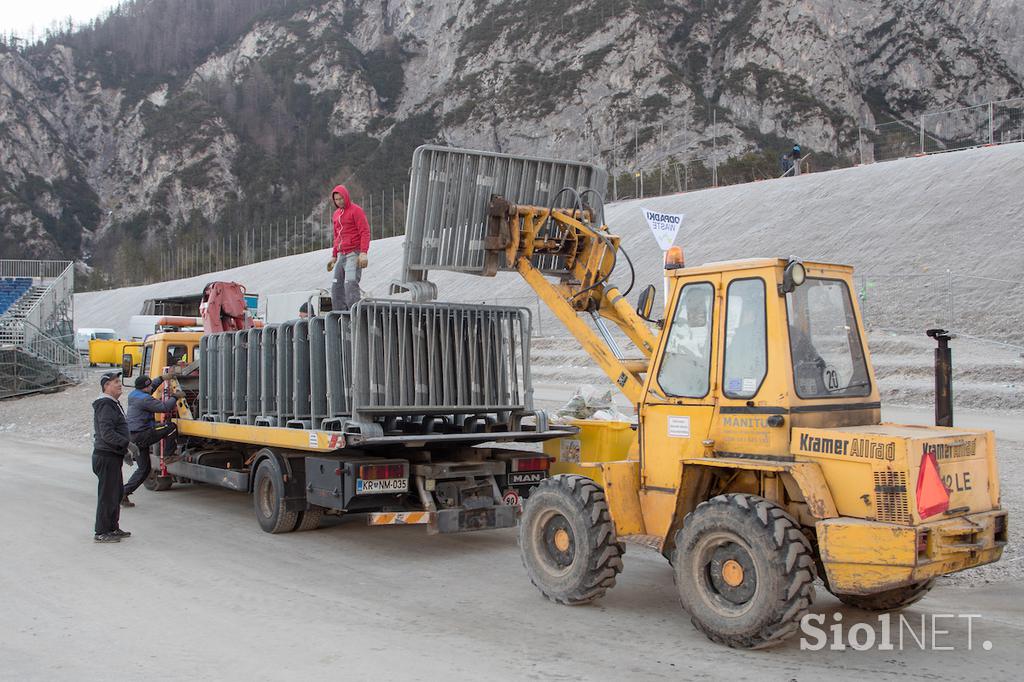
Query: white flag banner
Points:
[665, 226]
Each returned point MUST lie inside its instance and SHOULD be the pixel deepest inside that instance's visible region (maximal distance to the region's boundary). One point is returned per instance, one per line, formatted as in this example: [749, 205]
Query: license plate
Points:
[381, 485]
[526, 477]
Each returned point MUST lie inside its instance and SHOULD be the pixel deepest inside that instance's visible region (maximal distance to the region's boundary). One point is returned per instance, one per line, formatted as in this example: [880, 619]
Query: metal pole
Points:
[991, 123]
[540, 327]
[943, 378]
[714, 148]
[860, 143]
[949, 290]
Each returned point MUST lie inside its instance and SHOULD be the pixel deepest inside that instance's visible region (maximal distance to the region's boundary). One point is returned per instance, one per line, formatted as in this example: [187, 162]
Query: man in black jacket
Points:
[110, 443]
[144, 430]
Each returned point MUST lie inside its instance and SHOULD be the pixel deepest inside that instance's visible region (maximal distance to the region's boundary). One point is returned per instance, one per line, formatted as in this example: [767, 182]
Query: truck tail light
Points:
[530, 464]
[932, 496]
[381, 471]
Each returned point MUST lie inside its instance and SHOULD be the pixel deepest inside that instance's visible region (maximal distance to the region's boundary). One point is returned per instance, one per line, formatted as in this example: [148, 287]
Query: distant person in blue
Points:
[791, 161]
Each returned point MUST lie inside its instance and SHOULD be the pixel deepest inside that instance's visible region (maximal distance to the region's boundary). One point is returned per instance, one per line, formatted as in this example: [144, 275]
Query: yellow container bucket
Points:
[597, 441]
[109, 351]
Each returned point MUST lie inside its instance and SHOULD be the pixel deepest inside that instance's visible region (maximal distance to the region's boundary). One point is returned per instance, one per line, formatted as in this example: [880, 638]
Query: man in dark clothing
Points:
[110, 442]
[351, 245]
[145, 432]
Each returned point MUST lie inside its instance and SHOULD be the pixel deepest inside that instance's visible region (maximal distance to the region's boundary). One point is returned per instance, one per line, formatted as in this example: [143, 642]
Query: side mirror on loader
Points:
[127, 364]
[645, 304]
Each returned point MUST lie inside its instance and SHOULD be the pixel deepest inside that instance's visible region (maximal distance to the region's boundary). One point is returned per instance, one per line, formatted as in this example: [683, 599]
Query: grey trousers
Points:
[345, 287]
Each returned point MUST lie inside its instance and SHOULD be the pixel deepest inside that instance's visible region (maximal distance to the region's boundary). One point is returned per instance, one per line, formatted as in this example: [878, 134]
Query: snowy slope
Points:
[914, 218]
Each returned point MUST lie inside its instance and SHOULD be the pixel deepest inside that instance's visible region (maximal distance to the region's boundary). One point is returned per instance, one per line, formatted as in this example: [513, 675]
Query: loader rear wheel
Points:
[567, 540]
[890, 600]
[744, 571]
[268, 500]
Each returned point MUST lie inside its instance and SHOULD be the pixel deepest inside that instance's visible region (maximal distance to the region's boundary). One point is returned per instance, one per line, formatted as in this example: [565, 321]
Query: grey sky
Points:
[21, 15]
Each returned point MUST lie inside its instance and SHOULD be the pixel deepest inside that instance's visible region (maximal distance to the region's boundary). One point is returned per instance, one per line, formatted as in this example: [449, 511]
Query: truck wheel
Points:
[310, 519]
[889, 600]
[567, 540]
[744, 571]
[268, 501]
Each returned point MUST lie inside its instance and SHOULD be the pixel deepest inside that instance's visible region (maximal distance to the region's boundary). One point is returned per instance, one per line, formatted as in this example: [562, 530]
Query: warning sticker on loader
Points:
[678, 427]
[569, 451]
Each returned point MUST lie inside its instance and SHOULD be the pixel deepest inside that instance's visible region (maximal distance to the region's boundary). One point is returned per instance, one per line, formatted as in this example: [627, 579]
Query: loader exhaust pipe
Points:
[943, 377]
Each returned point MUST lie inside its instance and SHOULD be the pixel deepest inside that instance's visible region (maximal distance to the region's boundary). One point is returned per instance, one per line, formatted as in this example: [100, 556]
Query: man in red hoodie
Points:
[351, 245]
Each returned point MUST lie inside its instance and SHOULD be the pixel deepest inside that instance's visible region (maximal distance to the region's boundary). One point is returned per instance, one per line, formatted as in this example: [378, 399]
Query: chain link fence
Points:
[385, 212]
[943, 131]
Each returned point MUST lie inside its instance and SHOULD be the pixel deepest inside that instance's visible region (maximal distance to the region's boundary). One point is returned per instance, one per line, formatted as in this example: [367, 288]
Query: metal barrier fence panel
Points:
[268, 374]
[439, 358]
[254, 347]
[449, 194]
[301, 402]
[285, 335]
[382, 358]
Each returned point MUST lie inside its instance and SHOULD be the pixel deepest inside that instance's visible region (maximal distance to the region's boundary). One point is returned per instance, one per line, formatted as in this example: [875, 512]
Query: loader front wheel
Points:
[567, 540]
[268, 500]
[744, 571]
[890, 600]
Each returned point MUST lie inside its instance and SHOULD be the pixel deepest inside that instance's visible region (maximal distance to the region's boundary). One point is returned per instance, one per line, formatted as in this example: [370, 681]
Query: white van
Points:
[275, 308]
[86, 334]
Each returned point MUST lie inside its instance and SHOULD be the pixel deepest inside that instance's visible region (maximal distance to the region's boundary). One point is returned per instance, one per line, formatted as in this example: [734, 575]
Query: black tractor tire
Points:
[567, 540]
[889, 600]
[744, 570]
[268, 500]
[310, 519]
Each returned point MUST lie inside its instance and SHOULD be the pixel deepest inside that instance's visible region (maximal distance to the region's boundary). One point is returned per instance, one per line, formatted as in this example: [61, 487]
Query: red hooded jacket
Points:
[351, 230]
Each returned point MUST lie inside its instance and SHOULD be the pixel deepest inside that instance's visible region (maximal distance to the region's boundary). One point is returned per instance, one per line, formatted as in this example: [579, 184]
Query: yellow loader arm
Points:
[520, 236]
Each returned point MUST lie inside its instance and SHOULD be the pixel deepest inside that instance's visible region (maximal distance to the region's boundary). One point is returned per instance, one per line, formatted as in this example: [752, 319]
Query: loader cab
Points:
[750, 349]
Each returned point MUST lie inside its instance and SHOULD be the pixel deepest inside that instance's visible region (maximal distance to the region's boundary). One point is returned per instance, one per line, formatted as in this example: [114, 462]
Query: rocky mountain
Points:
[171, 121]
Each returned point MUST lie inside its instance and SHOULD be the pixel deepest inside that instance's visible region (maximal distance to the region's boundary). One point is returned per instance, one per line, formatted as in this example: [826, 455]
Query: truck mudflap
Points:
[457, 520]
[865, 557]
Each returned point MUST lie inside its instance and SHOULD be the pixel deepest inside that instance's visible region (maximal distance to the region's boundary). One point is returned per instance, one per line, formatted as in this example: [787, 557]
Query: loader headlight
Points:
[793, 276]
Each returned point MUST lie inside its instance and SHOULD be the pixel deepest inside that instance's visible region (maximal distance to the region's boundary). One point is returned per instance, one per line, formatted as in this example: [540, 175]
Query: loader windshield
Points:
[824, 340]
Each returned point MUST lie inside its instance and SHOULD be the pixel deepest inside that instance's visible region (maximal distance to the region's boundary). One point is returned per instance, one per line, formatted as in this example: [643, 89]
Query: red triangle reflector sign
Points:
[932, 496]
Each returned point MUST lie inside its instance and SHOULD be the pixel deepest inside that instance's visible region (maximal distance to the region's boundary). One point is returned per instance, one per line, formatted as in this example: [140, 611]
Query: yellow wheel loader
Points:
[762, 459]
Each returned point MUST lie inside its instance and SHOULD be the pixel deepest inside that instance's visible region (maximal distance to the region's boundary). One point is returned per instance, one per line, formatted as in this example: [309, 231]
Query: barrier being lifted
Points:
[450, 189]
[384, 366]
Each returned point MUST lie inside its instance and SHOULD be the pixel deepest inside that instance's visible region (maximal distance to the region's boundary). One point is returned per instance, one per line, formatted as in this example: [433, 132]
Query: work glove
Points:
[363, 261]
[330, 264]
[168, 373]
[131, 454]
[178, 393]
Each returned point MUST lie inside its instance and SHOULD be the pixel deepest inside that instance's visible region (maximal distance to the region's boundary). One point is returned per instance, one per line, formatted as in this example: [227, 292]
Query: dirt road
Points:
[200, 591]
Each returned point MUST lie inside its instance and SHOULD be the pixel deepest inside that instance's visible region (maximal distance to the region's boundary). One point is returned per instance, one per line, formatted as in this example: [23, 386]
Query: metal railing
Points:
[53, 312]
[37, 269]
[991, 123]
[39, 364]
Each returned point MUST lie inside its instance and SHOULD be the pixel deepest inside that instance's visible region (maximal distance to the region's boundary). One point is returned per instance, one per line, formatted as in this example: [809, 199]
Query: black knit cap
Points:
[107, 376]
[142, 381]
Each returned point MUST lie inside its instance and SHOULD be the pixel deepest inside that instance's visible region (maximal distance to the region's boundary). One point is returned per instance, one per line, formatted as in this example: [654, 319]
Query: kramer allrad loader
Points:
[763, 462]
